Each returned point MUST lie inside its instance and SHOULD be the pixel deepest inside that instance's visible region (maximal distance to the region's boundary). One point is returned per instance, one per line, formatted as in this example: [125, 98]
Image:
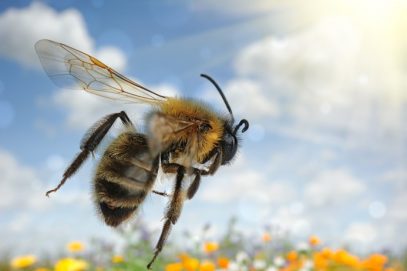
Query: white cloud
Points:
[332, 187]
[237, 7]
[360, 235]
[20, 185]
[245, 185]
[331, 84]
[21, 28]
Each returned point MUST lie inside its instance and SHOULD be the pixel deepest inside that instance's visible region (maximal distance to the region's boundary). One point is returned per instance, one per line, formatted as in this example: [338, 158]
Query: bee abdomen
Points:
[124, 177]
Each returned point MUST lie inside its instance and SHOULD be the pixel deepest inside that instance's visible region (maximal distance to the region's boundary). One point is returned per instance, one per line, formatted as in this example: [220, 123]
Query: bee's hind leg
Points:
[172, 214]
[90, 141]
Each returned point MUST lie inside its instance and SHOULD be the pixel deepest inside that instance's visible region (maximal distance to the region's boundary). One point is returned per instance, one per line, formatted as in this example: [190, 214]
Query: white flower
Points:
[279, 261]
[308, 264]
[272, 268]
[259, 264]
[233, 266]
[241, 256]
[302, 246]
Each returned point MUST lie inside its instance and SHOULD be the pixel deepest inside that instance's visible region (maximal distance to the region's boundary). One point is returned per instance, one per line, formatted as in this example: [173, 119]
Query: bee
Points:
[184, 138]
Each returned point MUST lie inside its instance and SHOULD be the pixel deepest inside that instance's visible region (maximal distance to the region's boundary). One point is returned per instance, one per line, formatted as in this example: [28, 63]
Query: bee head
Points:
[229, 141]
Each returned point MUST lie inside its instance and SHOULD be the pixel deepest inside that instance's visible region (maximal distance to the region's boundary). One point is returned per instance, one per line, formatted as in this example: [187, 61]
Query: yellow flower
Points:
[210, 247]
[117, 259]
[41, 269]
[70, 264]
[223, 262]
[314, 240]
[266, 237]
[207, 266]
[190, 264]
[173, 267]
[75, 246]
[23, 261]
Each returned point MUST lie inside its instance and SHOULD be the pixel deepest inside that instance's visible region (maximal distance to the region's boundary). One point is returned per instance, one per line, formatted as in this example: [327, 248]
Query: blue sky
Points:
[323, 89]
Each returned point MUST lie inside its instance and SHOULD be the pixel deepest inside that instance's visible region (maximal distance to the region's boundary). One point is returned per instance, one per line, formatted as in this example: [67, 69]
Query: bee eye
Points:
[205, 127]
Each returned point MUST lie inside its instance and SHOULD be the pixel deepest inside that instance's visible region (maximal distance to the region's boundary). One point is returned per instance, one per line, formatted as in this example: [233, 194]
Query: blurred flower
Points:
[271, 268]
[223, 262]
[190, 264]
[241, 256]
[266, 237]
[117, 259]
[302, 247]
[314, 240]
[210, 247]
[308, 264]
[375, 262]
[259, 264]
[292, 256]
[75, 246]
[41, 269]
[70, 264]
[23, 261]
[326, 253]
[207, 266]
[279, 261]
[173, 267]
[343, 257]
[233, 266]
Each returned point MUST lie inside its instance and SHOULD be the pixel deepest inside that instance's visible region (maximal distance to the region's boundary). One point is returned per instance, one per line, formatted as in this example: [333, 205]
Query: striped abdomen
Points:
[124, 177]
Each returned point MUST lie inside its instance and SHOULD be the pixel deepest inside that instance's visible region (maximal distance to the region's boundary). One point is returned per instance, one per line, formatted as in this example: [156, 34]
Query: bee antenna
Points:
[242, 122]
[221, 94]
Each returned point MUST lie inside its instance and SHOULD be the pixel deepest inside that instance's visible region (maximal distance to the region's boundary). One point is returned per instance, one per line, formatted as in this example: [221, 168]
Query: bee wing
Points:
[67, 66]
[165, 129]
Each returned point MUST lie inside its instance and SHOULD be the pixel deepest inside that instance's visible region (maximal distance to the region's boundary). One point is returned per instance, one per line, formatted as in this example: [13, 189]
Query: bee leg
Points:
[89, 143]
[194, 185]
[215, 164]
[172, 214]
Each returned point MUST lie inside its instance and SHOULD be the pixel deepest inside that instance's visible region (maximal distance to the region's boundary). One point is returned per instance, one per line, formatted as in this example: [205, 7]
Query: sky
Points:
[323, 87]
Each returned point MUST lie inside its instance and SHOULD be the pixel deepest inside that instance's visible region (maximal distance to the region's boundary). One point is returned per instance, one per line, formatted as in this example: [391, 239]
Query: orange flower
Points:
[343, 257]
[375, 262]
[75, 246]
[266, 237]
[190, 264]
[183, 256]
[314, 240]
[223, 262]
[210, 247]
[320, 261]
[173, 267]
[292, 256]
[326, 253]
[207, 266]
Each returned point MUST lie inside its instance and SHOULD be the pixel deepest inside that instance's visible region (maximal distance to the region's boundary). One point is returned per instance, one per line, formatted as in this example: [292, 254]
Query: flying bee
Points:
[184, 138]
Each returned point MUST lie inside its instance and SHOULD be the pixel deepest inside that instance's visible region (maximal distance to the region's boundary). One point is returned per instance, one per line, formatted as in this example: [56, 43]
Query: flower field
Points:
[231, 252]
